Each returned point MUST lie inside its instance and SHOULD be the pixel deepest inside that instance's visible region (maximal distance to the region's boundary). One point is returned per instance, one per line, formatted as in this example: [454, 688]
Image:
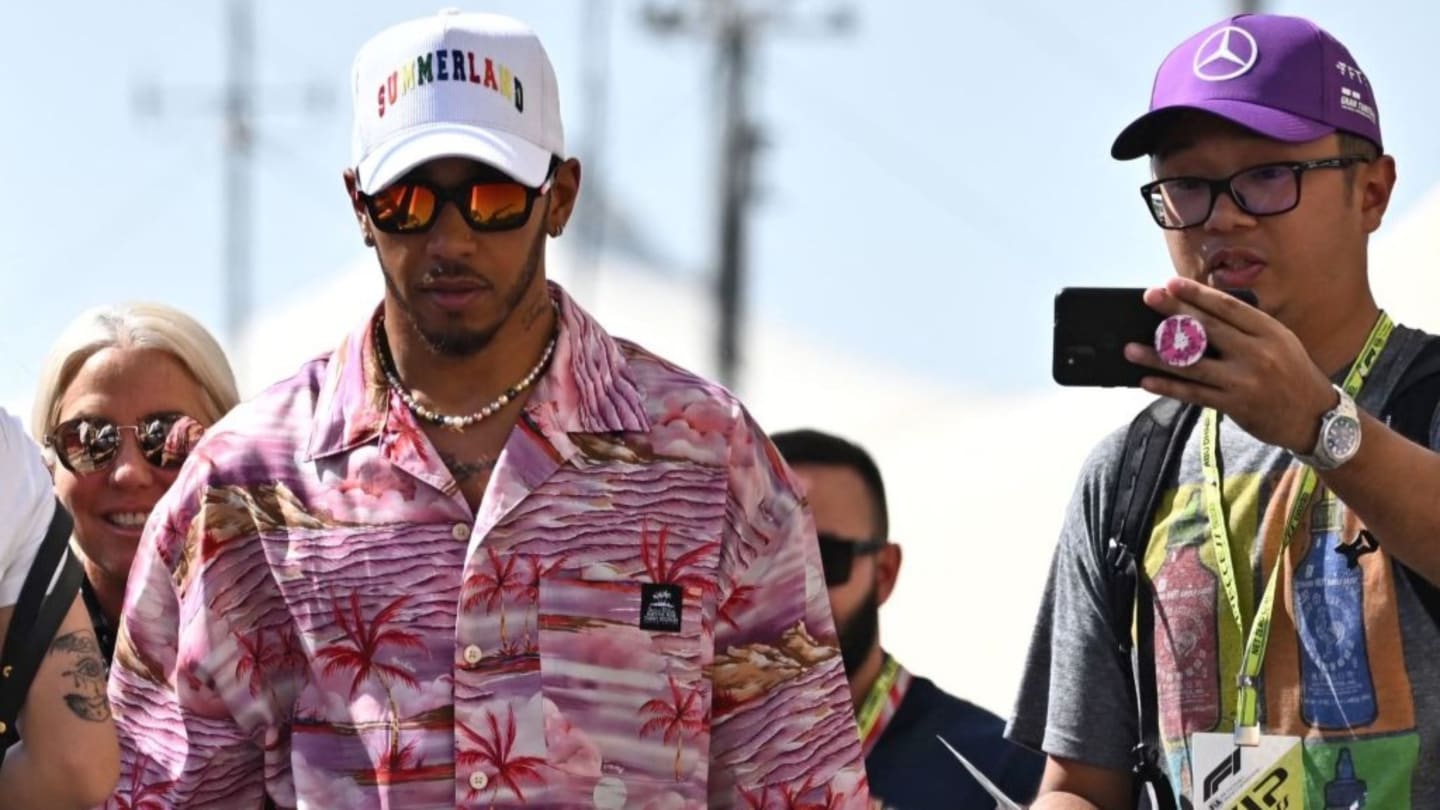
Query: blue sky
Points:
[932, 178]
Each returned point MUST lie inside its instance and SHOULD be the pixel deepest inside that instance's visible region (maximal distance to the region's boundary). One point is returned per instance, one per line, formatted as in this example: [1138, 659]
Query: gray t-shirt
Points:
[1353, 662]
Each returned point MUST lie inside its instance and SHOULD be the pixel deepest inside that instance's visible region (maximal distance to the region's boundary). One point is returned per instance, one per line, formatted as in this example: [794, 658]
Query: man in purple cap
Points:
[1286, 653]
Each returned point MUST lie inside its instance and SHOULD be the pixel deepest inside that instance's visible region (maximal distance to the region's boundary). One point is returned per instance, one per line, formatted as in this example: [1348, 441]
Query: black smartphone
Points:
[1092, 326]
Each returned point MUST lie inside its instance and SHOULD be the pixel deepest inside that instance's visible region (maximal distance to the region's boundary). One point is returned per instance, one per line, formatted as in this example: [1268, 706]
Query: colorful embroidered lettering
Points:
[449, 66]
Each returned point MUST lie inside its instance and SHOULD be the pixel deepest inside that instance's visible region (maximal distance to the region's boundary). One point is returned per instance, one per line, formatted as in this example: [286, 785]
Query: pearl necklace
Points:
[446, 420]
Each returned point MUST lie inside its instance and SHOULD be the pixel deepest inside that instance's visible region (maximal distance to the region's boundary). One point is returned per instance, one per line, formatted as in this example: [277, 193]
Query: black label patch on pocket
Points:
[660, 606]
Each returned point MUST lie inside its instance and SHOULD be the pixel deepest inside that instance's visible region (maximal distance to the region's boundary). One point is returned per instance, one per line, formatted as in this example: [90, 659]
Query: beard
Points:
[860, 632]
[459, 341]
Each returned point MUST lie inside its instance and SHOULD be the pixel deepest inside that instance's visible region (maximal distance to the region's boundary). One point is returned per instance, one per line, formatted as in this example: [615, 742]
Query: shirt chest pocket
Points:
[622, 667]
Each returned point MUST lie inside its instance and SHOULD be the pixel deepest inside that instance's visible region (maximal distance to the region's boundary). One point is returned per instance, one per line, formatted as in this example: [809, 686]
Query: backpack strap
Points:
[1152, 449]
[38, 615]
[1411, 413]
[1151, 456]
[1412, 405]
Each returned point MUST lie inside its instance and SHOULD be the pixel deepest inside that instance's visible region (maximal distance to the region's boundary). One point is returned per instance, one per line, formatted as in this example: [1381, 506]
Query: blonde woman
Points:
[124, 394]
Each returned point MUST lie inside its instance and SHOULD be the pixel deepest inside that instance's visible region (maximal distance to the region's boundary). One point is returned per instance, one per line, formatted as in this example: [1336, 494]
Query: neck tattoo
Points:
[464, 471]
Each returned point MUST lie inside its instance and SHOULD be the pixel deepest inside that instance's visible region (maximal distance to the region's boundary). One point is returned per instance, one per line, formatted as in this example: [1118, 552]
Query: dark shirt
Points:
[911, 770]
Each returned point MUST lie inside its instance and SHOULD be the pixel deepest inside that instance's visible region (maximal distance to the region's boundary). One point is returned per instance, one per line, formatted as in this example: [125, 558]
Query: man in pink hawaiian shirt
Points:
[483, 554]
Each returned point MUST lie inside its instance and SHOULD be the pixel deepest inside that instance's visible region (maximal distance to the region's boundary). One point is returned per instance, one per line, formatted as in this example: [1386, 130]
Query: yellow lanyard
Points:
[1247, 701]
[878, 695]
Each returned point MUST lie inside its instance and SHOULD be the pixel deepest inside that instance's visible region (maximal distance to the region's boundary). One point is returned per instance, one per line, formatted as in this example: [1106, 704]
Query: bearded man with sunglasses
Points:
[483, 554]
[1284, 649]
[900, 714]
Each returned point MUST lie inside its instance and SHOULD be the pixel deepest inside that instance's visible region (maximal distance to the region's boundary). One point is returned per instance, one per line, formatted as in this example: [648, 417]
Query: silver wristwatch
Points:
[1339, 438]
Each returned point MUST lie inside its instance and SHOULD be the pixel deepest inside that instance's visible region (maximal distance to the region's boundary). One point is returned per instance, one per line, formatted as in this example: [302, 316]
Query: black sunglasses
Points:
[410, 206]
[837, 556]
[1266, 190]
[90, 444]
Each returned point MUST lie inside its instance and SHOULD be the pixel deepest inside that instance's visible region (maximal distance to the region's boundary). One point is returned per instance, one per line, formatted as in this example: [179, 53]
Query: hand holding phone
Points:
[1092, 326]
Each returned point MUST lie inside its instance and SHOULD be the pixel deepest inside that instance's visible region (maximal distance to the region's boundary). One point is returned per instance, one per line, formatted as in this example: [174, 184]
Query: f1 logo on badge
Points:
[1228, 767]
[1261, 797]
[1265, 791]
[1269, 775]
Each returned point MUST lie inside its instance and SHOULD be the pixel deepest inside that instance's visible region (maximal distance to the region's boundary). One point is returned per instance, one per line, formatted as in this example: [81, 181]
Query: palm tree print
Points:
[260, 661]
[740, 598]
[493, 585]
[662, 571]
[256, 659]
[675, 717]
[794, 798]
[393, 761]
[290, 656]
[409, 436]
[756, 801]
[142, 797]
[535, 573]
[497, 753]
[521, 646]
[358, 650]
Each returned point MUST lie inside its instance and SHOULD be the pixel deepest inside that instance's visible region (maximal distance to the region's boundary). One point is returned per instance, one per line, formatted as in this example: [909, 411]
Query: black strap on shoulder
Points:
[38, 615]
[1152, 451]
[1151, 456]
[1411, 412]
[1412, 404]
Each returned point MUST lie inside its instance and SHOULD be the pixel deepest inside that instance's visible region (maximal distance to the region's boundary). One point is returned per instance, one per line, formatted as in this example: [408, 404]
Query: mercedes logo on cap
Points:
[1227, 53]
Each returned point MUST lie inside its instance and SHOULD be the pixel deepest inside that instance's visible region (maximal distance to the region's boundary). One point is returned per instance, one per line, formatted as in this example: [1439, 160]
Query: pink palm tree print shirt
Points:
[635, 618]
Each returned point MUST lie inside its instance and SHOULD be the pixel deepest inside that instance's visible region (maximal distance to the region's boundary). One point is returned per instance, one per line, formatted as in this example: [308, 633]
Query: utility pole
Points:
[237, 105]
[735, 28]
[739, 139]
[239, 143]
[596, 32]
[1250, 6]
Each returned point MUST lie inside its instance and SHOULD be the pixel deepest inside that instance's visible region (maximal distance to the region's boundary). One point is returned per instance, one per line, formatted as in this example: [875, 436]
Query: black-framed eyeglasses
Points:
[410, 206]
[1177, 203]
[837, 556]
[90, 444]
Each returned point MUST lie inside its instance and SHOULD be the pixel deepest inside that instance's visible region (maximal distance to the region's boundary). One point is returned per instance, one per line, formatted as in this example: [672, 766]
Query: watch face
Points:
[1342, 437]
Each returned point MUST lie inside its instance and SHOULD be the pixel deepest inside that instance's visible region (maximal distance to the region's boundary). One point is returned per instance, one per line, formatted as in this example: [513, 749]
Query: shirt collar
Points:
[588, 388]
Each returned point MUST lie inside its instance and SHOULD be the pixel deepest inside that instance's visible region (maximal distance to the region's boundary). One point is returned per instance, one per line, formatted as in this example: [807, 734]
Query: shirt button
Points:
[479, 780]
[460, 531]
[473, 654]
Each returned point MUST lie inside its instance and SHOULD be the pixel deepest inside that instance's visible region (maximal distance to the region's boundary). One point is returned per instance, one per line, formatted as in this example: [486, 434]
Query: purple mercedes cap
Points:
[1283, 77]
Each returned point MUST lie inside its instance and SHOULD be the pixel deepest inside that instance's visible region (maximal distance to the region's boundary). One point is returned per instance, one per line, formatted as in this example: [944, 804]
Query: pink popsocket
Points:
[1180, 340]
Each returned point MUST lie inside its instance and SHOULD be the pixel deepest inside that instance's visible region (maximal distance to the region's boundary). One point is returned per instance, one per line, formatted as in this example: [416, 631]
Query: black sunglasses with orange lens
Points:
[411, 205]
[90, 444]
[837, 556]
